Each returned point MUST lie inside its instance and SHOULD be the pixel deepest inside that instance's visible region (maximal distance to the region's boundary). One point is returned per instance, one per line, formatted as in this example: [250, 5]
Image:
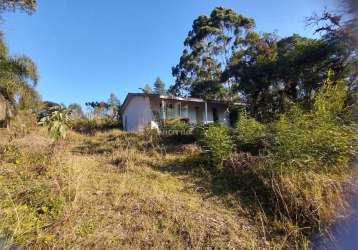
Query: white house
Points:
[140, 110]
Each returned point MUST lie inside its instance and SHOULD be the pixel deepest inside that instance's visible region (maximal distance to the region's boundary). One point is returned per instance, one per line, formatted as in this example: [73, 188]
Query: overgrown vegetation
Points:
[216, 141]
[296, 169]
[259, 185]
[280, 176]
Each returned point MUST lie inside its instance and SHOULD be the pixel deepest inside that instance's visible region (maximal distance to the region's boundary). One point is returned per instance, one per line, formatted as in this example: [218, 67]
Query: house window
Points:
[185, 110]
[170, 110]
[215, 115]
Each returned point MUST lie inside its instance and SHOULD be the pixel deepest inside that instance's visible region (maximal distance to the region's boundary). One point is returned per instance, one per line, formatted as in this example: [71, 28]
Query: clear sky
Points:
[86, 49]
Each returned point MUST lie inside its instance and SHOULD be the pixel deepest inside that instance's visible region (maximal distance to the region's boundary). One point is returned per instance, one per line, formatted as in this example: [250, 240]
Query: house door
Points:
[215, 115]
[198, 114]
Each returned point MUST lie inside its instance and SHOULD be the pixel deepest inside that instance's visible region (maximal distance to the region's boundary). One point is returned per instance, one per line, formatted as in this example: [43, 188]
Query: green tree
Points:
[114, 106]
[225, 59]
[209, 48]
[58, 121]
[28, 6]
[280, 72]
[340, 33]
[18, 74]
[98, 109]
[159, 86]
[18, 79]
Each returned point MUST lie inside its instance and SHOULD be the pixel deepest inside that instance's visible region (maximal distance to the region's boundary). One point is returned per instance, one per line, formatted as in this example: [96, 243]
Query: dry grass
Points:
[124, 190]
[105, 192]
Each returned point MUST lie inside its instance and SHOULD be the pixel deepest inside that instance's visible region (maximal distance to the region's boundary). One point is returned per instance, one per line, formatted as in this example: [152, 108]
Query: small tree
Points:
[76, 110]
[216, 141]
[159, 86]
[114, 106]
[58, 120]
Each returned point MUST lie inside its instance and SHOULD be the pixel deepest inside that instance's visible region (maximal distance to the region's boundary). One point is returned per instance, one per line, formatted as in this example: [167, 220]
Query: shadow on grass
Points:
[91, 148]
[247, 186]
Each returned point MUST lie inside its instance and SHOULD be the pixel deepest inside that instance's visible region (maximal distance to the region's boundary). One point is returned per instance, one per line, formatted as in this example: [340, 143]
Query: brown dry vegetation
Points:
[126, 190]
[107, 191]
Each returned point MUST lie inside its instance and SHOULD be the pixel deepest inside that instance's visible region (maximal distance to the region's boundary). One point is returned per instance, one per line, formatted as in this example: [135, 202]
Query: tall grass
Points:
[293, 172]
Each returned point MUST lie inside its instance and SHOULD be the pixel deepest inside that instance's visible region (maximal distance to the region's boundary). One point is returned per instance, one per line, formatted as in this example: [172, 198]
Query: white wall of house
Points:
[139, 111]
[137, 114]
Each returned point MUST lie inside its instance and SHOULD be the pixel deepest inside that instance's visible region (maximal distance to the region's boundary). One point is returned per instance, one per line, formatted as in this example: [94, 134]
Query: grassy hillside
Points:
[127, 190]
[110, 190]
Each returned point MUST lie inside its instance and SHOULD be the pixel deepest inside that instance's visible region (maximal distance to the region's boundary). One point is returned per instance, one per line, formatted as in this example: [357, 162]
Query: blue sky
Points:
[87, 49]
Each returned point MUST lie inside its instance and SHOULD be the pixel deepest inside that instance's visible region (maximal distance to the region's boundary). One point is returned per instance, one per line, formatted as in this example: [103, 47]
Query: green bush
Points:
[84, 125]
[309, 139]
[216, 141]
[58, 120]
[322, 137]
[174, 126]
[251, 135]
[90, 126]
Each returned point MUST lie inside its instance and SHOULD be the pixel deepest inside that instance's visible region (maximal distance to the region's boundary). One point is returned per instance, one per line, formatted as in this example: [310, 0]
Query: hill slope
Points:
[111, 190]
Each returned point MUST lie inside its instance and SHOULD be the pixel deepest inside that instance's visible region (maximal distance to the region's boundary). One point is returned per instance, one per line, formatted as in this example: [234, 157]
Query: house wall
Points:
[138, 114]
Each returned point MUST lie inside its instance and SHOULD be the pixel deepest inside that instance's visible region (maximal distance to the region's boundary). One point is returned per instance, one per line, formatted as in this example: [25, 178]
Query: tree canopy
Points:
[159, 86]
[28, 6]
[226, 59]
[18, 78]
[209, 48]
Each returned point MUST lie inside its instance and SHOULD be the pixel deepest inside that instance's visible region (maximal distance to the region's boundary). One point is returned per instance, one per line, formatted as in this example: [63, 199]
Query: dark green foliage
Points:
[210, 45]
[175, 131]
[28, 6]
[234, 114]
[324, 136]
[226, 59]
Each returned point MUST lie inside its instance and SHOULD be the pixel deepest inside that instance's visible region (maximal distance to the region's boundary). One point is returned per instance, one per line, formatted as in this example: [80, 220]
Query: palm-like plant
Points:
[18, 78]
[57, 120]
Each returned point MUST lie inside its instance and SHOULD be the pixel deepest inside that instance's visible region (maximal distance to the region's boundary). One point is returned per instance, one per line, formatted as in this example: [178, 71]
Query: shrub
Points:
[216, 141]
[174, 126]
[311, 140]
[251, 135]
[324, 136]
[90, 126]
[86, 126]
[58, 120]
[300, 182]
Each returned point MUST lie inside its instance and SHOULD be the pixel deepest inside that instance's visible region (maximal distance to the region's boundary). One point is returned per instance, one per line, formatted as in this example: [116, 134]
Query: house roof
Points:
[168, 97]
